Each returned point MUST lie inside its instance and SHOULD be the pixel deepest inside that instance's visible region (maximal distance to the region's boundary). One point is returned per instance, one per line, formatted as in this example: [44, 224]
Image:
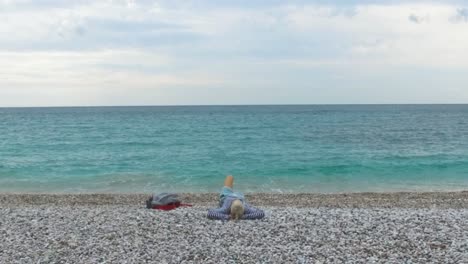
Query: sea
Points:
[268, 148]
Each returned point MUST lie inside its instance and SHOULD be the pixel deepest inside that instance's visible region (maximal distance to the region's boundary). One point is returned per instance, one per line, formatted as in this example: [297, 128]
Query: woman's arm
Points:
[220, 213]
[252, 213]
[215, 214]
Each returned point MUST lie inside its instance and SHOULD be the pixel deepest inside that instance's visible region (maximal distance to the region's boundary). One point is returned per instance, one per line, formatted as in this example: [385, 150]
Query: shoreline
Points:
[453, 200]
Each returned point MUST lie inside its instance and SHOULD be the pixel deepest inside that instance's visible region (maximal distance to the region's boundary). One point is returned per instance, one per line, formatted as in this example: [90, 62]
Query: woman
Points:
[233, 206]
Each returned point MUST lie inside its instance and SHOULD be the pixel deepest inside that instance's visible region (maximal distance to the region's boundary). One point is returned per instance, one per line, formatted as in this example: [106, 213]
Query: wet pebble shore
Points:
[95, 231]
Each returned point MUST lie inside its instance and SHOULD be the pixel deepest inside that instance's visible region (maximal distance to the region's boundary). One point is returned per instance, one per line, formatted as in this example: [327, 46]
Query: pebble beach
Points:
[298, 228]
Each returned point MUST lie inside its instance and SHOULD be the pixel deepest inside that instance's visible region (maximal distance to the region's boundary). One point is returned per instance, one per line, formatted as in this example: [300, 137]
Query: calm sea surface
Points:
[329, 148]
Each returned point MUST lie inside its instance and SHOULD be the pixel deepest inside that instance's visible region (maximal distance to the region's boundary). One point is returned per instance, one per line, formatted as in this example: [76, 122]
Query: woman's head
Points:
[237, 210]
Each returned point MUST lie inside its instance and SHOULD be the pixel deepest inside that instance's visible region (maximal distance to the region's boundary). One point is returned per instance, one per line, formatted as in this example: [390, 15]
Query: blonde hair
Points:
[237, 210]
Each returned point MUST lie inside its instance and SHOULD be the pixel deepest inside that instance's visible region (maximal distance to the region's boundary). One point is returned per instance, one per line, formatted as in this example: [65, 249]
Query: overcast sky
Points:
[63, 53]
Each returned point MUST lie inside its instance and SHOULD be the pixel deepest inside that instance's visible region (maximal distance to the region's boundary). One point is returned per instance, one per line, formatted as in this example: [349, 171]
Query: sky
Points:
[91, 53]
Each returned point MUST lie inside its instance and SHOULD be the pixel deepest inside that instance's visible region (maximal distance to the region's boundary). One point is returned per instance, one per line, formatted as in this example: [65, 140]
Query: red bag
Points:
[170, 206]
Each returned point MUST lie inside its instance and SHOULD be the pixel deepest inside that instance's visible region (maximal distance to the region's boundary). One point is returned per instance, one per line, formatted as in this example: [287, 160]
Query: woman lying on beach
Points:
[233, 206]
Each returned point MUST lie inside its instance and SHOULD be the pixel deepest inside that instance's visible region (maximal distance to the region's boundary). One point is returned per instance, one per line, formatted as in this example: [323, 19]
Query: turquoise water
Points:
[329, 148]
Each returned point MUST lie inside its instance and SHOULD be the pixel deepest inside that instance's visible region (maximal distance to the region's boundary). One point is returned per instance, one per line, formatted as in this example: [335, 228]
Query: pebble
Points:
[134, 234]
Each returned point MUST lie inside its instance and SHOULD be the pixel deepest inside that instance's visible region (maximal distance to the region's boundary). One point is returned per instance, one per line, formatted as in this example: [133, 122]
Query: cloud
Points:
[380, 35]
[417, 19]
[77, 78]
[96, 25]
[462, 15]
[169, 49]
[107, 68]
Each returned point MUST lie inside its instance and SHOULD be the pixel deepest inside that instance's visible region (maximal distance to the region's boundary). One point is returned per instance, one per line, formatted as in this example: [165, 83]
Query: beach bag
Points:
[164, 201]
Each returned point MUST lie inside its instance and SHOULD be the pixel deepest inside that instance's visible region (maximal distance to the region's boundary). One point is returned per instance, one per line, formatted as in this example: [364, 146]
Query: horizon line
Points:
[204, 105]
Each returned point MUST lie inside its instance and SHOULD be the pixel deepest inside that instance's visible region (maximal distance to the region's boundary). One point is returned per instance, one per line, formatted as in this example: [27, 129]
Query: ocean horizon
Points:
[268, 148]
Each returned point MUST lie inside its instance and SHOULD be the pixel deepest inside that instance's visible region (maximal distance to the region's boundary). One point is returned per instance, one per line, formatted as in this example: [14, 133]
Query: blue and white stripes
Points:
[223, 213]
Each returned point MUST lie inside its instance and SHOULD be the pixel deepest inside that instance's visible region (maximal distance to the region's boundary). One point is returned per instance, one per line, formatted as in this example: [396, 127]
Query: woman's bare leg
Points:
[229, 181]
